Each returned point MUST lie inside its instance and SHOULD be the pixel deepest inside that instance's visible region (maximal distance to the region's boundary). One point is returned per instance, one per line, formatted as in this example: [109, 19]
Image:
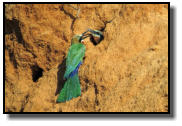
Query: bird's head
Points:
[76, 39]
[79, 38]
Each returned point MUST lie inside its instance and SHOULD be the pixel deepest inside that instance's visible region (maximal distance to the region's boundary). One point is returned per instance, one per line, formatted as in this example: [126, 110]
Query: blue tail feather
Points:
[75, 71]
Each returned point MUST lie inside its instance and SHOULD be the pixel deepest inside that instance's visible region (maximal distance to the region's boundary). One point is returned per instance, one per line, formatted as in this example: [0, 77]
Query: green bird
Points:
[74, 59]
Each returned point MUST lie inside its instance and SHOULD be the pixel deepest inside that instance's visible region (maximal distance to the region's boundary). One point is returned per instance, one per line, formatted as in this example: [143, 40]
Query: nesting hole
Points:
[96, 41]
[36, 72]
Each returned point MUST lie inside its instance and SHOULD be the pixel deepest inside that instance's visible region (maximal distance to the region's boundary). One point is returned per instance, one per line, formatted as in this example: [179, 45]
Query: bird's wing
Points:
[75, 55]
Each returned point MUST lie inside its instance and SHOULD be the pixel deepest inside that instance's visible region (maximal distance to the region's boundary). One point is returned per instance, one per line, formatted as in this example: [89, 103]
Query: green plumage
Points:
[75, 56]
[71, 88]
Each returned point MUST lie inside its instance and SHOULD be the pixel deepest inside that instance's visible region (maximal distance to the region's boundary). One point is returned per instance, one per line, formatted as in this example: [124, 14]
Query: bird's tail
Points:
[70, 90]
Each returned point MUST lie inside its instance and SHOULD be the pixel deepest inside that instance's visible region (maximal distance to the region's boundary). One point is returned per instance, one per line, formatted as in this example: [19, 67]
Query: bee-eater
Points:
[74, 59]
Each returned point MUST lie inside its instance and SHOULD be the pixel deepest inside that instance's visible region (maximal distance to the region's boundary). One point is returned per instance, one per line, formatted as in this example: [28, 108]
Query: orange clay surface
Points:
[126, 72]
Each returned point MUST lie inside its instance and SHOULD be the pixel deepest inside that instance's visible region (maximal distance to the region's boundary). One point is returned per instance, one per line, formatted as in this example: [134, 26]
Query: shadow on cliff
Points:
[13, 26]
[60, 75]
[118, 116]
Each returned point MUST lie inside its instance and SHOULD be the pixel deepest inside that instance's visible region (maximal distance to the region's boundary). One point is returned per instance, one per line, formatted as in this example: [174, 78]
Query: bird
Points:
[74, 59]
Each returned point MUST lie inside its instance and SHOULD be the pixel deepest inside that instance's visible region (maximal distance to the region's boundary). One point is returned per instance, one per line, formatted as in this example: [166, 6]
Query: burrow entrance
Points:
[37, 72]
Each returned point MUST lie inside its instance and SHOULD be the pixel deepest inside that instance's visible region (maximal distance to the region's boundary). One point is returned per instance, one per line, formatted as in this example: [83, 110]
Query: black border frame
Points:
[114, 114]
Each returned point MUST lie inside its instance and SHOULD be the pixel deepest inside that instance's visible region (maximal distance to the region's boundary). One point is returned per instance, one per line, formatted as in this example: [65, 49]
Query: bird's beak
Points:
[85, 35]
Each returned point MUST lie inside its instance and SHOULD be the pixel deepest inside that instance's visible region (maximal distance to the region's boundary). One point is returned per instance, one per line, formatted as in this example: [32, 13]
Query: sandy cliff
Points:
[126, 72]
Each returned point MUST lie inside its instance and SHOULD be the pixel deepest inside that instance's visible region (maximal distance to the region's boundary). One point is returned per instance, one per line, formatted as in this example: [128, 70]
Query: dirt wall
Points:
[126, 72]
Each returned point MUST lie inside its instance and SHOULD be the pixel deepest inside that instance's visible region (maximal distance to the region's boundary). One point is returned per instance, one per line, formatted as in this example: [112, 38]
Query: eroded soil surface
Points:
[126, 72]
